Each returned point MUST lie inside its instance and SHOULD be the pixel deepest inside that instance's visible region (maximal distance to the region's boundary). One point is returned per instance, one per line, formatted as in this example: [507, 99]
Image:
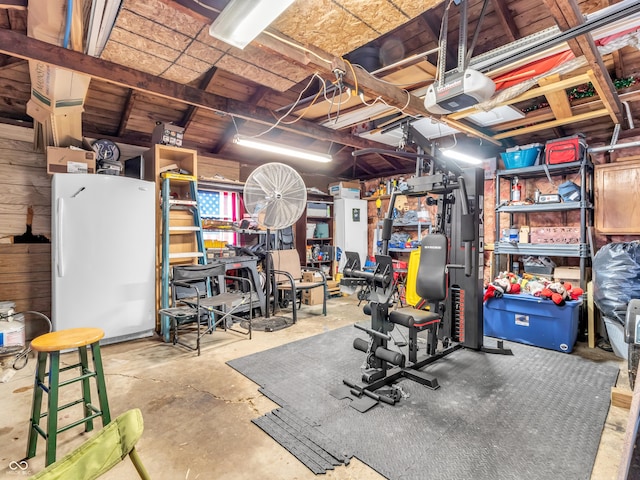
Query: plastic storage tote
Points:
[533, 321]
[525, 157]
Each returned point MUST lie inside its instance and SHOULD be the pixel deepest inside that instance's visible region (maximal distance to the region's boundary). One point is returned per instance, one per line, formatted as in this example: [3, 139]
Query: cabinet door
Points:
[617, 198]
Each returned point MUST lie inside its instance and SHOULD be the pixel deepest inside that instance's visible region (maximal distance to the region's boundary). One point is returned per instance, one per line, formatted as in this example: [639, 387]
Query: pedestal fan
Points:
[275, 196]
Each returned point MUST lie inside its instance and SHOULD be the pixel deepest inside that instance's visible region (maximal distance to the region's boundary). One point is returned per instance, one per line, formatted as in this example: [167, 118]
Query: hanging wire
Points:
[293, 106]
[233, 119]
[304, 112]
[23, 357]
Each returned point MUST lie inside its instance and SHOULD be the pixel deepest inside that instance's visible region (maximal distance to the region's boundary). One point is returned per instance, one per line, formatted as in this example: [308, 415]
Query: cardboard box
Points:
[61, 129]
[318, 209]
[345, 189]
[57, 90]
[567, 235]
[68, 160]
[533, 321]
[313, 296]
[570, 274]
[311, 277]
[168, 134]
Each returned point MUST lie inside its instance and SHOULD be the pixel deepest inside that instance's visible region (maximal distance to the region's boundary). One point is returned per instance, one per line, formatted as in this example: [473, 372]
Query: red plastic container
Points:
[565, 150]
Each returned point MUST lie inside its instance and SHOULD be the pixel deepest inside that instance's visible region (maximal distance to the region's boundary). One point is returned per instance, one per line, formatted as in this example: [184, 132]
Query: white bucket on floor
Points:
[12, 335]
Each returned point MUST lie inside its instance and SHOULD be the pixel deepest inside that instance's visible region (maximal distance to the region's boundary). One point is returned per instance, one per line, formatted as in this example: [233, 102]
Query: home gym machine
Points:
[449, 282]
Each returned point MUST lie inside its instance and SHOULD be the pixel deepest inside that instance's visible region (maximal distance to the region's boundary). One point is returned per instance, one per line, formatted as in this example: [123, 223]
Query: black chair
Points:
[287, 276]
[431, 286]
[201, 301]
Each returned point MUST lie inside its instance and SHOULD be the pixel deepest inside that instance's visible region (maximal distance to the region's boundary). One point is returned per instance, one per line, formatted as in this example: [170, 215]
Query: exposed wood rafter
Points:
[19, 45]
[191, 111]
[126, 113]
[558, 100]
[232, 128]
[506, 19]
[567, 15]
[14, 4]
[371, 86]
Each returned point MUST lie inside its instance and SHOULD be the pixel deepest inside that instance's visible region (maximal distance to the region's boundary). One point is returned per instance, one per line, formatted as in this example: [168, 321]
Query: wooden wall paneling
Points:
[25, 269]
[211, 167]
[24, 182]
[25, 278]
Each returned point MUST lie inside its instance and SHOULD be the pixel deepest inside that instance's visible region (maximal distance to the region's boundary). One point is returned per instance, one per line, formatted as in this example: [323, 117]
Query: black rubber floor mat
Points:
[312, 448]
[535, 415]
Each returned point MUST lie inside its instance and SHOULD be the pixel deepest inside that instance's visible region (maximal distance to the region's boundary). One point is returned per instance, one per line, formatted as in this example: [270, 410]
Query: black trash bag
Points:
[616, 278]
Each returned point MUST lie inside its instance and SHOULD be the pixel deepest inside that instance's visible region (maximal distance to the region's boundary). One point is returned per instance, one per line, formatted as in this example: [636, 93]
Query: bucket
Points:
[12, 332]
[311, 230]
[322, 230]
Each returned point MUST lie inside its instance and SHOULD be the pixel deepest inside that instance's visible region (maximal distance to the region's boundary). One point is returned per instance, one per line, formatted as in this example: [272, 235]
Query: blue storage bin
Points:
[533, 321]
[521, 158]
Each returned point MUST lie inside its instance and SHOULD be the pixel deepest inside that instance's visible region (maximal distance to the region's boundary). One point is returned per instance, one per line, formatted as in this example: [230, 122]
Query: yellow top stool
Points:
[49, 346]
[66, 339]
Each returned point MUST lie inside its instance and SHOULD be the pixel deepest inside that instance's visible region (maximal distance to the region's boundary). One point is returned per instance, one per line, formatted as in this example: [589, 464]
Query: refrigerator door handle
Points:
[59, 258]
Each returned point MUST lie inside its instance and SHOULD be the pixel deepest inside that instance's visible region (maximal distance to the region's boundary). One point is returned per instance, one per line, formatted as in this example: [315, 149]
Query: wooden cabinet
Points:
[618, 198]
[313, 233]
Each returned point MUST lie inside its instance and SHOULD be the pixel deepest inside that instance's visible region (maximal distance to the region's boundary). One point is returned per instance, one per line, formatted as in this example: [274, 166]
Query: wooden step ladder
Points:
[184, 225]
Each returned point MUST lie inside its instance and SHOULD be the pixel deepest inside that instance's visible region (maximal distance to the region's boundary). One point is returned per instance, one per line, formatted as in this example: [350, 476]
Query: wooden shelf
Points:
[300, 230]
[156, 160]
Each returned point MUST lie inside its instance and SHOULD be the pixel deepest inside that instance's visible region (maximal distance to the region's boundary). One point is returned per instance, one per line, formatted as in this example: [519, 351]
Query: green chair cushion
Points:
[100, 453]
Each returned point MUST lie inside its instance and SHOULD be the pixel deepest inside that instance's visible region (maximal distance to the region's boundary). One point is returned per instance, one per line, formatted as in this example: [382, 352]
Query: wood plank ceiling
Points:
[160, 64]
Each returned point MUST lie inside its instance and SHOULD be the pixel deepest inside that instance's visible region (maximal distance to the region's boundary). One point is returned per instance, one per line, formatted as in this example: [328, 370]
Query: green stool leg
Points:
[36, 406]
[52, 414]
[102, 387]
[86, 388]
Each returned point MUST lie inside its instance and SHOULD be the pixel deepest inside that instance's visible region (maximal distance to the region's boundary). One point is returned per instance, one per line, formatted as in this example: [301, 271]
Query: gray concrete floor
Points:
[198, 411]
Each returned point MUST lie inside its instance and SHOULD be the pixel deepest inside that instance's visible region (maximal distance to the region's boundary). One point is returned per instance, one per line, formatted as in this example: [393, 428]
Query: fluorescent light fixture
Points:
[461, 156]
[431, 128]
[501, 114]
[271, 147]
[242, 20]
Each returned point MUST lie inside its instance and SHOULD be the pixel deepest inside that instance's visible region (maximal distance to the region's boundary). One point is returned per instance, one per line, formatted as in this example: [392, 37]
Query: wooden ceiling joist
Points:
[371, 86]
[14, 4]
[126, 113]
[506, 19]
[567, 15]
[558, 100]
[553, 124]
[206, 81]
[19, 45]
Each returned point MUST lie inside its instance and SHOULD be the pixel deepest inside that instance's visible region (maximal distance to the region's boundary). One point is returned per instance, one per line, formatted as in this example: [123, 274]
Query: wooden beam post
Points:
[21, 46]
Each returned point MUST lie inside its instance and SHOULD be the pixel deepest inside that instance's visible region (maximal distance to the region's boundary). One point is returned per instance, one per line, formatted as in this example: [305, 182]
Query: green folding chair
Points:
[102, 452]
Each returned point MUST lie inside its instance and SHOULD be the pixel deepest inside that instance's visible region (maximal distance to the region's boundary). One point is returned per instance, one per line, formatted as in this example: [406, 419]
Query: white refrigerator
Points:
[103, 254]
[350, 227]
